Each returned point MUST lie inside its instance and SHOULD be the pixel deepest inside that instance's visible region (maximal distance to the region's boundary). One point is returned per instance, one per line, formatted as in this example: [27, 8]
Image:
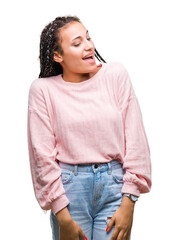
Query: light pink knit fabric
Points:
[93, 121]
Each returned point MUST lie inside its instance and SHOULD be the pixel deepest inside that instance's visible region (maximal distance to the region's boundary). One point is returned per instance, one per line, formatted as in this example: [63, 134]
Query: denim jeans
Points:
[94, 192]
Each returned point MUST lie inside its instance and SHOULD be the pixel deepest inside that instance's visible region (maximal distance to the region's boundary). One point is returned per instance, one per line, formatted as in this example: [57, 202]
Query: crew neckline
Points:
[85, 82]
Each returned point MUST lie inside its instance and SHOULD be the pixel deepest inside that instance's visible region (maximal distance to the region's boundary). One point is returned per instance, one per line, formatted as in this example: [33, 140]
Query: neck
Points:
[79, 77]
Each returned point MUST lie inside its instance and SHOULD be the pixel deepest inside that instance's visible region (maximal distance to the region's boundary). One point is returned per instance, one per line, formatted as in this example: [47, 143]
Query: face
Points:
[76, 44]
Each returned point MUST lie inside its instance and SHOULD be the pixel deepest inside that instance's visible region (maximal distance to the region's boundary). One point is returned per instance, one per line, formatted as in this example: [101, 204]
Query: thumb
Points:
[82, 235]
[110, 224]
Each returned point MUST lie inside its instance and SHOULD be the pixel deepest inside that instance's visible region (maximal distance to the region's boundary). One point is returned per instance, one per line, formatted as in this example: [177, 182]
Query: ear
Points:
[57, 57]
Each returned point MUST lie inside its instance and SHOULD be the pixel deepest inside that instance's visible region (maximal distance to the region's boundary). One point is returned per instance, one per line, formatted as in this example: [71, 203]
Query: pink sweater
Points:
[92, 121]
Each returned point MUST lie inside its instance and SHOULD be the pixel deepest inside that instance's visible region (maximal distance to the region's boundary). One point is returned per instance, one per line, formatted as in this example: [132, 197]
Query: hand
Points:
[123, 219]
[68, 228]
[71, 231]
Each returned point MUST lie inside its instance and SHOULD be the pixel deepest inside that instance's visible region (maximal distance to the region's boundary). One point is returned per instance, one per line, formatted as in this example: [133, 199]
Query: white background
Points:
[142, 35]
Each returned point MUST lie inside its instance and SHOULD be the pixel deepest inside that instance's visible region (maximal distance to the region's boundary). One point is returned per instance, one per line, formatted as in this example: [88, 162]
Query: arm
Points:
[45, 171]
[136, 160]
[63, 216]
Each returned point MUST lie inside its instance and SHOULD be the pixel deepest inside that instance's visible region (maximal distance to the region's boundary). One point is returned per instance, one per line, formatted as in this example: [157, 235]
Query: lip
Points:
[89, 61]
[91, 53]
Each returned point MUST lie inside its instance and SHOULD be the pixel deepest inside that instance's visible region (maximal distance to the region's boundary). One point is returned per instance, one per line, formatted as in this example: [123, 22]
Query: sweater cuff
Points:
[130, 187]
[59, 203]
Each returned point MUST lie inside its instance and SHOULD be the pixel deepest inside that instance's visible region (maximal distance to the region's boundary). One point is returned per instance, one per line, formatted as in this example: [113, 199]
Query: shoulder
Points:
[39, 85]
[116, 70]
[117, 73]
[115, 67]
[39, 91]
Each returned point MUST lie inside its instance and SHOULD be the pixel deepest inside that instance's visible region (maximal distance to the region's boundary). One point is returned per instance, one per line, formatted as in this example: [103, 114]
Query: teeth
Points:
[88, 56]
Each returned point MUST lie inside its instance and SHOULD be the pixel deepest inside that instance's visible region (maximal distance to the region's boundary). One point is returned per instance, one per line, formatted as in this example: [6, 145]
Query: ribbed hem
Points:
[59, 203]
[132, 188]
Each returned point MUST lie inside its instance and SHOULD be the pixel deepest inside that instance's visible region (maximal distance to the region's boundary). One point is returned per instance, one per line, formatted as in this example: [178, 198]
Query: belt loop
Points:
[75, 171]
[109, 166]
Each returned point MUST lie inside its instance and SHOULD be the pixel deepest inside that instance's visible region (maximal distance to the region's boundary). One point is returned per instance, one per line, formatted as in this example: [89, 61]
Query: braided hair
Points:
[49, 42]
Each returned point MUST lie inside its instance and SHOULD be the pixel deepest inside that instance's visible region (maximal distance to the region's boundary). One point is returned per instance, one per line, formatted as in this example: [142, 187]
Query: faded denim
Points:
[94, 192]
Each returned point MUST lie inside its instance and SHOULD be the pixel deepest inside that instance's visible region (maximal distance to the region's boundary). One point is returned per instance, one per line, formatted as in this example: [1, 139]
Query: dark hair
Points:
[49, 42]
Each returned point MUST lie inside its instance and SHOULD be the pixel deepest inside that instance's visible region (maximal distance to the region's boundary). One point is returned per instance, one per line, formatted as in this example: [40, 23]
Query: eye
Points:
[76, 45]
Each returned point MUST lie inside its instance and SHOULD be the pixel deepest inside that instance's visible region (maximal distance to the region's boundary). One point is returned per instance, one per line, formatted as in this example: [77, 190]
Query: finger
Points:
[121, 235]
[115, 233]
[110, 225]
[125, 236]
[128, 236]
[82, 235]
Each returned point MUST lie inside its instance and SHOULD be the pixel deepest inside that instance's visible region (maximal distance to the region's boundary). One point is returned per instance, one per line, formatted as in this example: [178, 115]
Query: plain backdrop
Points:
[144, 37]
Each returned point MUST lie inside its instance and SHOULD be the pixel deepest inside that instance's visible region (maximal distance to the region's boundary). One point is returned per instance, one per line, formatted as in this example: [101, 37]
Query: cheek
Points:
[73, 60]
[75, 54]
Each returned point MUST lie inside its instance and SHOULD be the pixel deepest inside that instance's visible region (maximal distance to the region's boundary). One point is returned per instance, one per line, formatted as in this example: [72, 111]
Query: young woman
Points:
[88, 150]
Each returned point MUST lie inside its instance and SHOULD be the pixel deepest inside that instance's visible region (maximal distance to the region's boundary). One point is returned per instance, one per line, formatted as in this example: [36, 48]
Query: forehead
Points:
[72, 30]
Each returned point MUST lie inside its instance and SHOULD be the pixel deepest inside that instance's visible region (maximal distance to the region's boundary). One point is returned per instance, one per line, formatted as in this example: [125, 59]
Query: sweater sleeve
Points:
[45, 171]
[136, 161]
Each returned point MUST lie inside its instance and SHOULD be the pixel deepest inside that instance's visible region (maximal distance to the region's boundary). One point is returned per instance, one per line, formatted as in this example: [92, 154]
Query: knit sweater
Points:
[92, 121]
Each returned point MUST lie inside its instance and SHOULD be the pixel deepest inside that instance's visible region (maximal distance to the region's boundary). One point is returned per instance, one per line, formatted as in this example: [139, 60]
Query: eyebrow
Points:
[79, 36]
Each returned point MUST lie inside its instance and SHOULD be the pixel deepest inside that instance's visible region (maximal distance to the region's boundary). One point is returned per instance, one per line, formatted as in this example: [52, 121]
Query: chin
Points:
[90, 68]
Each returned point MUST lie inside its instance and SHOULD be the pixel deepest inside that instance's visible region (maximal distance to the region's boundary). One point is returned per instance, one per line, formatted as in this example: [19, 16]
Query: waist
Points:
[90, 167]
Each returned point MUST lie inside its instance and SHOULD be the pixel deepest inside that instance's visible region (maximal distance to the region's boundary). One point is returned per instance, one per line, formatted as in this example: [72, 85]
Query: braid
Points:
[49, 43]
[98, 56]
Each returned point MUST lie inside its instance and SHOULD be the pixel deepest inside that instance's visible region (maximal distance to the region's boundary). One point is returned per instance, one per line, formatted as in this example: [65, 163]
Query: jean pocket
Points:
[117, 175]
[66, 176]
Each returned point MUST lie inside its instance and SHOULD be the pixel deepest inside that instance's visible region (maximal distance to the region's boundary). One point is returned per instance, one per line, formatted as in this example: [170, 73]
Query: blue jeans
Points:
[94, 192]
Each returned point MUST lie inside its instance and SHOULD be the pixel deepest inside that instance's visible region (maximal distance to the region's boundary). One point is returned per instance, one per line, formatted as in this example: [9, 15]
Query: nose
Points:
[88, 45]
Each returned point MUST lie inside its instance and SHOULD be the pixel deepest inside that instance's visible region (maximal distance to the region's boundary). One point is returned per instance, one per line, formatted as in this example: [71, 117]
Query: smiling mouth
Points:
[89, 59]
